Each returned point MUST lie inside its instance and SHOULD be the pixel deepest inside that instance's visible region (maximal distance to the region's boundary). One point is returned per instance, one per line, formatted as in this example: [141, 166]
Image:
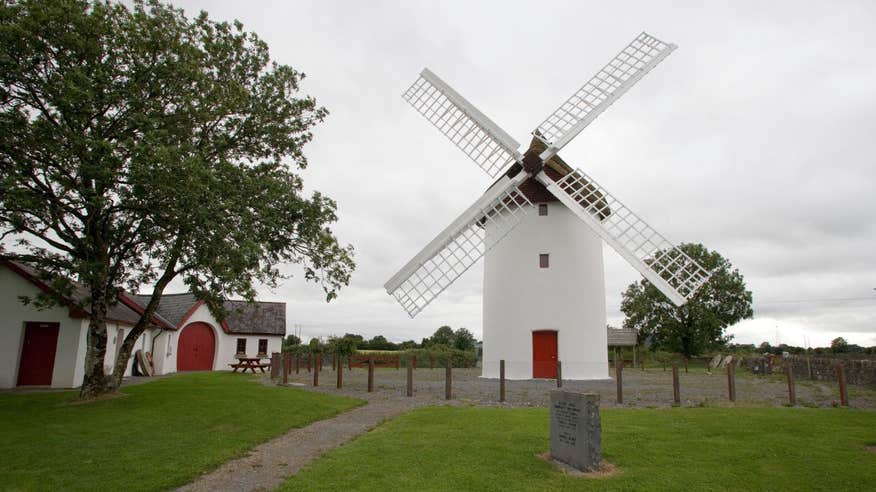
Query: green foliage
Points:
[438, 355]
[182, 427]
[463, 340]
[839, 345]
[138, 146]
[289, 342]
[699, 325]
[342, 345]
[477, 448]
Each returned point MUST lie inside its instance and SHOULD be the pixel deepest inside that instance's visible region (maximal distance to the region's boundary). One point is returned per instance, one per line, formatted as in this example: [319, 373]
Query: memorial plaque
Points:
[576, 431]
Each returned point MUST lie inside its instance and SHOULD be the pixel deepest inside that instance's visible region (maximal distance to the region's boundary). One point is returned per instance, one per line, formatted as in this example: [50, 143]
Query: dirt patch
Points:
[871, 449]
[104, 397]
[605, 470]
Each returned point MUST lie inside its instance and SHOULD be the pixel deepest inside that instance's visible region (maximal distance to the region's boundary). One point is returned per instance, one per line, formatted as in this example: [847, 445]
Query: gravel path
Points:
[267, 465]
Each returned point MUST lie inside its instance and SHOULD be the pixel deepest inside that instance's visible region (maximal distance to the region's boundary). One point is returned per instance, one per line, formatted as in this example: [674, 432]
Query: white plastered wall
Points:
[68, 364]
[226, 343]
[569, 296]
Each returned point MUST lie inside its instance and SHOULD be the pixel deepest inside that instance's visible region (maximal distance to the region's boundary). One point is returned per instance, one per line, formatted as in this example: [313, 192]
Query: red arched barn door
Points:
[196, 347]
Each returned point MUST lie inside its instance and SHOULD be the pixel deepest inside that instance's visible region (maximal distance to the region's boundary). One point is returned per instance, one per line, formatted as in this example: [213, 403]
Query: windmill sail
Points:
[459, 246]
[611, 82]
[676, 274]
[474, 133]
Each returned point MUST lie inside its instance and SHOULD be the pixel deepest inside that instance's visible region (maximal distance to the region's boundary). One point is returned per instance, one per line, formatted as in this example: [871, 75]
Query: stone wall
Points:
[821, 369]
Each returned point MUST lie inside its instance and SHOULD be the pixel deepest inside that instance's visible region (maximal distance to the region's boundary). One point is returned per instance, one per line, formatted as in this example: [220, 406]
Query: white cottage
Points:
[46, 347]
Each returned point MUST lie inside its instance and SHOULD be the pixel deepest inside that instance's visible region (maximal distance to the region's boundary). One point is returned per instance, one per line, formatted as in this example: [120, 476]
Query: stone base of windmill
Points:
[576, 434]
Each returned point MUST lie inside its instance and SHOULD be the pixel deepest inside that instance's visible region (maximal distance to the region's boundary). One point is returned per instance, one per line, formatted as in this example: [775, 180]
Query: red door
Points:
[544, 354]
[38, 354]
[196, 347]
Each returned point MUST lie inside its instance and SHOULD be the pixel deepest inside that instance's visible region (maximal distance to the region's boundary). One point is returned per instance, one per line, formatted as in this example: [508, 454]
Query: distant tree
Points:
[316, 346]
[839, 345]
[358, 339]
[463, 339]
[342, 345]
[380, 342]
[699, 324]
[442, 336]
[765, 348]
[407, 345]
[289, 342]
[139, 147]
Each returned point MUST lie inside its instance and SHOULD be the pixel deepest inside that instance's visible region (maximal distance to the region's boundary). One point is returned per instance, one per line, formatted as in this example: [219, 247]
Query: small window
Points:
[544, 260]
[542, 209]
[263, 346]
[241, 345]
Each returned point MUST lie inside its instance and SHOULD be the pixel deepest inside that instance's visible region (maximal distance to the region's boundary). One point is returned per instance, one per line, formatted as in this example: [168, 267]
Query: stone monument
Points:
[576, 431]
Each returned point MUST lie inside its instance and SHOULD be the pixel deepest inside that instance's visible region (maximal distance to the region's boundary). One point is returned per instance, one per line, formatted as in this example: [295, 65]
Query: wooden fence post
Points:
[619, 377]
[559, 374]
[287, 358]
[340, 369]
[685, 365]
[448, 376]
[843, 389]
[731, 381]
[276, 365]
[297, 362]
[410, 369]
[309, 361]
[676, 391]
[370, 374]
[316, 372]
[502, 380]
[792, 393]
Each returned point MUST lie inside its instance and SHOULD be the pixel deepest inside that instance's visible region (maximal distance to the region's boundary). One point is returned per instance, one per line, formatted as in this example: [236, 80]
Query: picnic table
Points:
[251, 363]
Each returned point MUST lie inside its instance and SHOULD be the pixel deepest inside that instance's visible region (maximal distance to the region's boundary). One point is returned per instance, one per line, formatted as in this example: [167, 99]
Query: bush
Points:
[439, 355]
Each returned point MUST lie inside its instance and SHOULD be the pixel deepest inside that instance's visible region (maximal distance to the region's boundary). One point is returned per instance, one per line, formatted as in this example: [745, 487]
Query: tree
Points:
[699, 324]
[463, 340]
[342, 345]
[289, 342]
[442, 336]
[138, 146]
[839, 345]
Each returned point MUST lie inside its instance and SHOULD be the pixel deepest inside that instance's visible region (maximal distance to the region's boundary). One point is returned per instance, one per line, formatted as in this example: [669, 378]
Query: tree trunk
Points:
[95, 382]
[124, 356]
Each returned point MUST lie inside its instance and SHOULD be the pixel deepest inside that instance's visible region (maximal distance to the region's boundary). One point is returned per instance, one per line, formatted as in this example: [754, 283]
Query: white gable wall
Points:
[69, 368]
[226, 342]
[15, 314]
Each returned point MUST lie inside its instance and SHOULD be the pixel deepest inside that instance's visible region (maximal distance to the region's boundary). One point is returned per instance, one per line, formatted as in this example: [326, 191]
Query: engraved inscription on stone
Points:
[576, 430]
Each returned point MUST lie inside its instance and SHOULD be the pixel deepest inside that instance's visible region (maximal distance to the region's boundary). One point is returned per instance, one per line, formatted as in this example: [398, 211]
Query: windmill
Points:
[544, 289]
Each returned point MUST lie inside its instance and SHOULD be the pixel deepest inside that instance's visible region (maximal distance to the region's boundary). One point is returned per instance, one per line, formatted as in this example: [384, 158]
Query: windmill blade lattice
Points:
[474, 133]
[459, 246]
[672, 271]
[612, 81]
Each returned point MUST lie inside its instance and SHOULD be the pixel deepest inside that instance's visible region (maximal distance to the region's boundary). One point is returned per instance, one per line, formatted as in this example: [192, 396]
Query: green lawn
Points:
[161, 435]
[469, 448]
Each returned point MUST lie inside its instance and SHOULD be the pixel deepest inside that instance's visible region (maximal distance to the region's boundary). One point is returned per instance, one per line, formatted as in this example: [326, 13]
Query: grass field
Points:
[160, 435]
[472, 448]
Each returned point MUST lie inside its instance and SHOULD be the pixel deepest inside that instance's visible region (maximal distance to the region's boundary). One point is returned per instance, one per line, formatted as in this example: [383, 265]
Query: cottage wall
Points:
[14, 314]
[226, 343]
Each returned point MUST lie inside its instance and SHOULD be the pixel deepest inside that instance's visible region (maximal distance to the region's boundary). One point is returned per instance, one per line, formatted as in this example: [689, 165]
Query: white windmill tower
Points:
[541, 225]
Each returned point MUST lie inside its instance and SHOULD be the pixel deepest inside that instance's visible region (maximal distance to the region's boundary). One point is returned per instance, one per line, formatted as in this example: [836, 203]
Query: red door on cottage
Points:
[38, 354]
[544, 354]
[196, 347]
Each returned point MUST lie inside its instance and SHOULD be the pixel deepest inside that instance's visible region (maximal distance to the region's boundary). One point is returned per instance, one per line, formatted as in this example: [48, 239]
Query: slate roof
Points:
[262, 318]
[119, 312]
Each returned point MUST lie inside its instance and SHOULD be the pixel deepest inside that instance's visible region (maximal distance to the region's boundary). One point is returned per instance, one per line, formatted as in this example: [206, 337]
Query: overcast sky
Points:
[756, 138]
